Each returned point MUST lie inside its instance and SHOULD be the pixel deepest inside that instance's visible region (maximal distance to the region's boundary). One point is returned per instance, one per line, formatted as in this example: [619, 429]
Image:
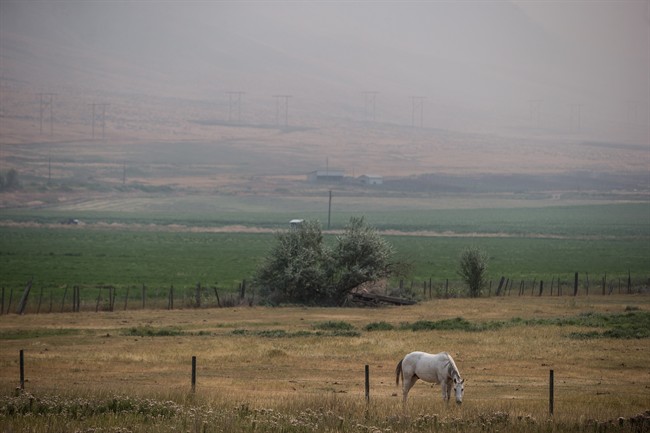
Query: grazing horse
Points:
[439, 368]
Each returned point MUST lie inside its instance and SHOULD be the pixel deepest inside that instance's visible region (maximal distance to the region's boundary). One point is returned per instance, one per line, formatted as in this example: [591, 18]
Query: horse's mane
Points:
[451, 365]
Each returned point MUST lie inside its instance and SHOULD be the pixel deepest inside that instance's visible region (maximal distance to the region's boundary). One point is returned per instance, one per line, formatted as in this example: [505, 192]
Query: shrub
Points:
[473, 270]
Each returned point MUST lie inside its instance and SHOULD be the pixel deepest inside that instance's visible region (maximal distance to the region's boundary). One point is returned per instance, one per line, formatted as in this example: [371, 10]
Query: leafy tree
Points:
[301, 268]
[10, 180]
[473, 270]
[361, 255]
[294, 269]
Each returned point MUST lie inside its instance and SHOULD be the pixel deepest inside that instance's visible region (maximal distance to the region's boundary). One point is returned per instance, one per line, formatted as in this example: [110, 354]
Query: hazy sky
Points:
[476, 62]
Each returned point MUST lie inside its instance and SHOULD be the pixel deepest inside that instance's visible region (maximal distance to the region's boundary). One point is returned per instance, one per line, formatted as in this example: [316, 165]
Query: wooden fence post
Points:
[22, 304]
[144, 294]
[99, 297]
[11, 298]
[629, 285]
[2, 305]
[367, 384]
[75, 299]
[217, 295]
[22, 369]
[126, 298]
[532, 288]
[193, 373]
[501, 281]
[40, 299]
[552, 281]
[551, 396]
[170, 302]
[604, 282]
[575, 284]
[541, 287]
[65, 292]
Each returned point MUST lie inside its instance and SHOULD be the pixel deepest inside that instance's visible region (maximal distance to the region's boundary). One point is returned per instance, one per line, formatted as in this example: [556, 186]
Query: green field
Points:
[528, 244]
[469, 215]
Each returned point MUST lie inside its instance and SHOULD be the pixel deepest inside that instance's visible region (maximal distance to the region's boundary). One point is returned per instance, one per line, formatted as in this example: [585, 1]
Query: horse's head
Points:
[459, 388]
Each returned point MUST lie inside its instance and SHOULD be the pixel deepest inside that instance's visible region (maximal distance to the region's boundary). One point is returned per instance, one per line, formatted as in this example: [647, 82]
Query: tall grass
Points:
[122, 413]
[292, 372]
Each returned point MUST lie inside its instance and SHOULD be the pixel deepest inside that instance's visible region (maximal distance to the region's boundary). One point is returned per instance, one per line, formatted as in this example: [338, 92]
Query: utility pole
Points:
[103, 117]
[282, 104]
[370, 97]
[329, 211]
[46, 100]
[234, 103]
[418, 105]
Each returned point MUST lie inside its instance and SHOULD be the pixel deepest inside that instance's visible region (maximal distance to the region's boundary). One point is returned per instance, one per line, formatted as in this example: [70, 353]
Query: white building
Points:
[371, 179]
[326, 176]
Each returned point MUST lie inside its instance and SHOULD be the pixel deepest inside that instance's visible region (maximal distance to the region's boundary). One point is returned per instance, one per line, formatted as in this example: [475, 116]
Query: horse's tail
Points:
[398, 372]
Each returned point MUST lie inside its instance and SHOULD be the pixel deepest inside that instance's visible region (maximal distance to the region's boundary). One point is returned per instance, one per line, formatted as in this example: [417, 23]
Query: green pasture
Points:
[57, 258]
[463, 216]
[524, 243]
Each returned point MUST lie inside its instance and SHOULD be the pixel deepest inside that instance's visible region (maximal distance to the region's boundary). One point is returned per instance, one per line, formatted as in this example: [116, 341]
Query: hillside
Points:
[453, 82]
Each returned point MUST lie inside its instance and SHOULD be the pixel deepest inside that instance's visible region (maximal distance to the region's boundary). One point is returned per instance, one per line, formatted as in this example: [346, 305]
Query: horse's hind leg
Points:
[407, 384]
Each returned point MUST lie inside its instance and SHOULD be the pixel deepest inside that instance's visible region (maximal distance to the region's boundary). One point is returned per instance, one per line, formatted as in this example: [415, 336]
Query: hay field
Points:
[257, 365]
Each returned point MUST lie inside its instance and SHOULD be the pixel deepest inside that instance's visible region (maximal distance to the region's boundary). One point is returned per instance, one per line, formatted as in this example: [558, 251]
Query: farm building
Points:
[371, 179]
[325, 176]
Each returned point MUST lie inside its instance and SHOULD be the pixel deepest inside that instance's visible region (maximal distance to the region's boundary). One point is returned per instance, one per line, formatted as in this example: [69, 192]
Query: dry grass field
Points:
[299, 369]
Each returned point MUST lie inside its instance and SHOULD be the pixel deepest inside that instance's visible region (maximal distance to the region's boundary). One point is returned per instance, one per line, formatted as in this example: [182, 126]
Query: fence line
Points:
[204, 296]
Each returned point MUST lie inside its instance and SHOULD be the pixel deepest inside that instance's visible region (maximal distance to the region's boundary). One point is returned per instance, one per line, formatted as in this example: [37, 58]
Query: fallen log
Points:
[376, 299]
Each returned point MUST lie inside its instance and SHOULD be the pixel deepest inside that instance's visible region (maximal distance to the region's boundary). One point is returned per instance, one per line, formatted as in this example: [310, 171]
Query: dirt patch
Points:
[249, 229]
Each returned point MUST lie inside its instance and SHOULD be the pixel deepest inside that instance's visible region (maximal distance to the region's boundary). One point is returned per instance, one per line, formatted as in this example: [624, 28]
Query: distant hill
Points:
[455, 87]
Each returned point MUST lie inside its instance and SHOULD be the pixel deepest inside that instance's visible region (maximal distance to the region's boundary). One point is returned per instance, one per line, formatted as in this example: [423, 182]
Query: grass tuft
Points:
[148, 331]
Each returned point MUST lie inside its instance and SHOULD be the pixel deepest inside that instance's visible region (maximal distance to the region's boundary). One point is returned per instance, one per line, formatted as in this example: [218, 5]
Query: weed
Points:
[148, 331]
[334, 326]
[379, 326]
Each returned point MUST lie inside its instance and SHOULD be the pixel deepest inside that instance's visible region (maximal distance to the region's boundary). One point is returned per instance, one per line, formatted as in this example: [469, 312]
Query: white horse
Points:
[439, 368]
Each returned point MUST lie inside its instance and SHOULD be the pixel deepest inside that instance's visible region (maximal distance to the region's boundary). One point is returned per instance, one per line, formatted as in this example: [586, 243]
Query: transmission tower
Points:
[282, 106]
[46, 101]
[535, 107]
[576, 118]
[234, 105]
[103, 117]
[370, 98]
[418, 106]
[632, 111]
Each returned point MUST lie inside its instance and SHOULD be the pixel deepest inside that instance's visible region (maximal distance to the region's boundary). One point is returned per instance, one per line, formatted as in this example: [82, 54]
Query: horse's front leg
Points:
[445, 391]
